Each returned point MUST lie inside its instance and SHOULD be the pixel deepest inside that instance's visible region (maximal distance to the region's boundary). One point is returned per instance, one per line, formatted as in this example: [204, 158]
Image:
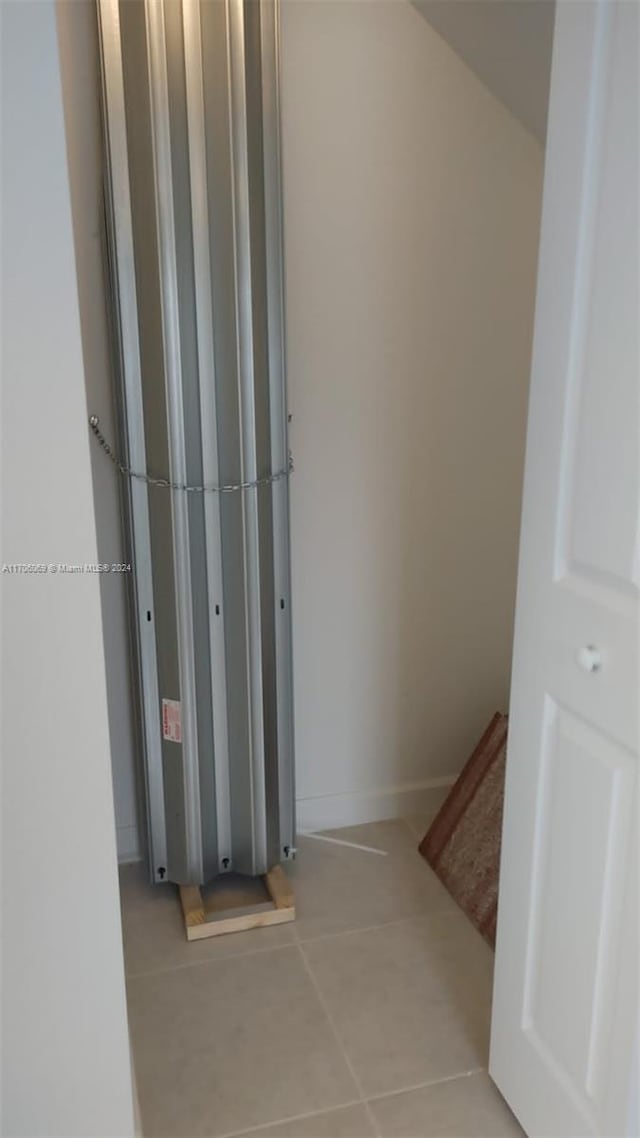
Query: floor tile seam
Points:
[209, 960]
[428, 1083]
[418, 915]
[296, 942]
[290, 1118]
[338, 1038]
[354, 1102]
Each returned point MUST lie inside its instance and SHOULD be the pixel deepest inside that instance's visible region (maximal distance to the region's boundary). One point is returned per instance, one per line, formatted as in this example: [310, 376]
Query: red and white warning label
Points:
[172, 720]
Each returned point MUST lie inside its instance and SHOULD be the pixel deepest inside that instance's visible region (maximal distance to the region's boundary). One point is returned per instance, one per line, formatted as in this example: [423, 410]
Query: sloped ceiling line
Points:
[508, 44]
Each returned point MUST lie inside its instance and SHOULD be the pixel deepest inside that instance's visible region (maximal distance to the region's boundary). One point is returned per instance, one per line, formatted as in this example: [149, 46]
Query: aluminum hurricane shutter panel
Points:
[194, 187]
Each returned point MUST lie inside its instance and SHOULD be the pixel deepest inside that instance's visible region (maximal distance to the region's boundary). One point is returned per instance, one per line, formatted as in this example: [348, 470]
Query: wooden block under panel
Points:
[279, 888]
[192, 906]
[236, 904]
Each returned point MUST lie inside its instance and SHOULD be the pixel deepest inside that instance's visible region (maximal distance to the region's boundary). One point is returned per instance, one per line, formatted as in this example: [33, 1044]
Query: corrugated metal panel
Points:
[192, 140]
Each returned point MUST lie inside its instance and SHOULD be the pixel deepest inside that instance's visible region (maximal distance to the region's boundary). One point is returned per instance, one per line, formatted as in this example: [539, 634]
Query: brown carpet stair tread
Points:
[462, 845]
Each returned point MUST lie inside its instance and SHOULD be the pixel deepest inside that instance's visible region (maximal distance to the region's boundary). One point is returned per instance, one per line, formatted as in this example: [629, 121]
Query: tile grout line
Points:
[341, 1047]
[297, 941]
[209, 959]
[428, 1084]
[419, 916]
[353, 1102]
[289, 1118]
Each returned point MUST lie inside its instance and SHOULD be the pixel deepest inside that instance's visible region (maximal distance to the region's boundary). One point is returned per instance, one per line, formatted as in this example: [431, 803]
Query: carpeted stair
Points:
[462, 845]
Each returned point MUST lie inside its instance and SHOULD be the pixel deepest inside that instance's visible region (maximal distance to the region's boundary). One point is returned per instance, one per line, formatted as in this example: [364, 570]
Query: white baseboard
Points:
[128, 844]
[333, 811]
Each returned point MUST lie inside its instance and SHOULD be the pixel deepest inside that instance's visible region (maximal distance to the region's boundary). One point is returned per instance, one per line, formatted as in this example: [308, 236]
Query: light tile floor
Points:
[367, 1017]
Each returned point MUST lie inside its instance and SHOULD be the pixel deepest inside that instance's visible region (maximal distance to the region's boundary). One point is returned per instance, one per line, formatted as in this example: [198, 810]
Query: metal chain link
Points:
[149, 480]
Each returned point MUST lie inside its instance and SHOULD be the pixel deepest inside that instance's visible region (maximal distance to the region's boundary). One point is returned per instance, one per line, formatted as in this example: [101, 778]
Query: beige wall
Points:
[411, 212]
[78, 35]
[65, 1053]
[412, 202]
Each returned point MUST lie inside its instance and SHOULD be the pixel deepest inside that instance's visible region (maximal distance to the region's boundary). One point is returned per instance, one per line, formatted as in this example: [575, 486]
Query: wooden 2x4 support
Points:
[206, 916]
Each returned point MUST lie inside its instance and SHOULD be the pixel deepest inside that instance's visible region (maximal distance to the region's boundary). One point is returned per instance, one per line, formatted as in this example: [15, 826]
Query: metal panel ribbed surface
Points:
[194, 218]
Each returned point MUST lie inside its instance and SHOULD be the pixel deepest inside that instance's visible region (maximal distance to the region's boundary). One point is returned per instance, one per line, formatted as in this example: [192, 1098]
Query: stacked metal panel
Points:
[194, 217]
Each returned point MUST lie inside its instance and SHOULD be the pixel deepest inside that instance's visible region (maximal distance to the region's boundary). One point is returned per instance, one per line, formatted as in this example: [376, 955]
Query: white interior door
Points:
[565, 1010]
